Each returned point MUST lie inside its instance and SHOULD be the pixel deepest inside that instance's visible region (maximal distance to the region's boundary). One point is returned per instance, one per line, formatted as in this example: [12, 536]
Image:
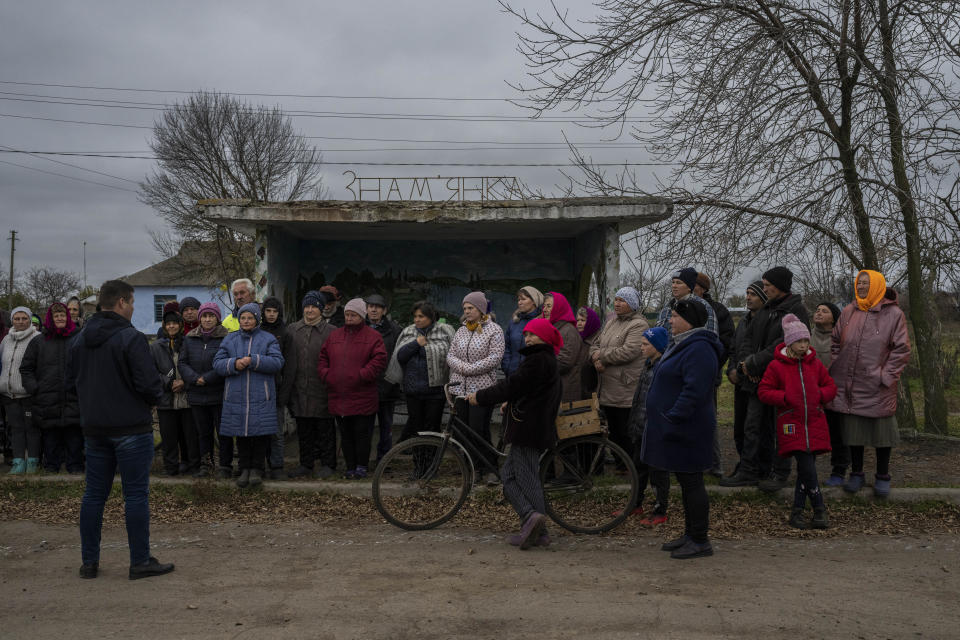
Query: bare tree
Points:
[787, 125]
[214, 146]
[45, 285]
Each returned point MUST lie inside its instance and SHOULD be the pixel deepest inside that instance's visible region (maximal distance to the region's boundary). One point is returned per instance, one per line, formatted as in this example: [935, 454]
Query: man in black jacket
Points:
[743, 388]
[116, 384]
[389, 393]
[759, 463]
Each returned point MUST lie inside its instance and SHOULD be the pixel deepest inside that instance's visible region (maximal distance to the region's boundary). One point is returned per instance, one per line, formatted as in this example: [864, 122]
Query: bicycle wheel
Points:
[421, 483]
[589, 484]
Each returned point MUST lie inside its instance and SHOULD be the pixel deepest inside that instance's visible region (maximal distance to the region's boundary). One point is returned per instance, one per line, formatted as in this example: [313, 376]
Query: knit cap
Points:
[317, 299]
[189, 303]
[251, 307]
[780, 277]
[688, 275]
[17, 310]
[479, 300]
[834, 310]
[757, 289]
[658, 337]
[794, 329]
[630, 296]
[210, 307]
[358, 306]
[692, 311]
[544, 330]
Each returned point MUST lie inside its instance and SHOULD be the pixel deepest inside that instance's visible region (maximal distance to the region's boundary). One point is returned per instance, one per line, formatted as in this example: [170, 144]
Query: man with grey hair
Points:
[243, 292]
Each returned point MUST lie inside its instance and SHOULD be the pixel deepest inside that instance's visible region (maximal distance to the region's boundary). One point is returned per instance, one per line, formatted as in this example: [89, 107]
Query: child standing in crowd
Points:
[249, 360]
[652, 346]
[799, 385]
[533, 395]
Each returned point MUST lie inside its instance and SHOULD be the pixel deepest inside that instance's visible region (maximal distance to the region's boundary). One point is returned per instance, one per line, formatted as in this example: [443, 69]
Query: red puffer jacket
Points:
[799, 389]
[351, 360]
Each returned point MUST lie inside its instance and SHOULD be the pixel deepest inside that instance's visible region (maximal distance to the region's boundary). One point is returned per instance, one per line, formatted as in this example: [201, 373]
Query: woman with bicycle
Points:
[681, 419]
[475, 354]
[533, 395]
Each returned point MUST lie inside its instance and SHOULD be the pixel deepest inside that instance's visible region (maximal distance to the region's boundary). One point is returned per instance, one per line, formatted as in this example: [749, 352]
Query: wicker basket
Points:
[579, 418]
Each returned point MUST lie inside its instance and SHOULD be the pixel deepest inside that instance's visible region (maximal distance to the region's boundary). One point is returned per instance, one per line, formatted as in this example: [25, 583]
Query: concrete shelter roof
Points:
[473, 219]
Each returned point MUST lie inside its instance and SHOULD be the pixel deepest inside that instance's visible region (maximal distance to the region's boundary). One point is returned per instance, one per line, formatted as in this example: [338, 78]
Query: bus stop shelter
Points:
[439, 250]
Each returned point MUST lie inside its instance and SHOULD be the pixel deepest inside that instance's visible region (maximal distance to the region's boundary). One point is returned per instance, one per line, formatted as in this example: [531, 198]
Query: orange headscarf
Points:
[878, 289]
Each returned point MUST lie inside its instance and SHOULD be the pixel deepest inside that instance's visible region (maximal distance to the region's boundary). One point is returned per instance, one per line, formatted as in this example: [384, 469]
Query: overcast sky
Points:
[399, 49]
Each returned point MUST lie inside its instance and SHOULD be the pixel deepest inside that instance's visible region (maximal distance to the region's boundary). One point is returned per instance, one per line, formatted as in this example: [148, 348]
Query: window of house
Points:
[158, 302]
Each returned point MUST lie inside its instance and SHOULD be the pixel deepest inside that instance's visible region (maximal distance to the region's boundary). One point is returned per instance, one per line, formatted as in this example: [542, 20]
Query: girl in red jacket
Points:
[798, 384]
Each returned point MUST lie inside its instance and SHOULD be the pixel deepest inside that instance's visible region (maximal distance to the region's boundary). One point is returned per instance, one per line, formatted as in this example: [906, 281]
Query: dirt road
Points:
[306, 580]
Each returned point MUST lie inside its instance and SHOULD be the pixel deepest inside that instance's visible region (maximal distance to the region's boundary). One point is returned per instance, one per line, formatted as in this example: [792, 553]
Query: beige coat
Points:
[619, 349]
[570, 360]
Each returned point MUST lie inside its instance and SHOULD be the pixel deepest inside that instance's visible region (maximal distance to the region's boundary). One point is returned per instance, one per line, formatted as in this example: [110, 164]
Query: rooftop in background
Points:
[178, 271]
[474, 219]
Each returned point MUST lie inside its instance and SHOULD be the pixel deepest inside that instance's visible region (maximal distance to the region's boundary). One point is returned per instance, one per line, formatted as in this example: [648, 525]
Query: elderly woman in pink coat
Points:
[870, 348]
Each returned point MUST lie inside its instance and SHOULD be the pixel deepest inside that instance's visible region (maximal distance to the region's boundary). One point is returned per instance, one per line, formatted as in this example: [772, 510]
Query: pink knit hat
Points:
[358, 306]
[794, 329]
[210, 307]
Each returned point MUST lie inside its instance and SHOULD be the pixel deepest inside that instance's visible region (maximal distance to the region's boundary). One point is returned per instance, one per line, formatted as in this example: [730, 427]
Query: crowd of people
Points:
[222, 387]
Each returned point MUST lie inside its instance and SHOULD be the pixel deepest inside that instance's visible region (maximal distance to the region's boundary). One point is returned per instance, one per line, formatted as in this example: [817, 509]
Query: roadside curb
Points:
[362, 489]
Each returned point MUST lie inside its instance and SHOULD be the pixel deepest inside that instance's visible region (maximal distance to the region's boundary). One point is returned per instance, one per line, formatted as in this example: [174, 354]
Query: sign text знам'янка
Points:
[447, 188]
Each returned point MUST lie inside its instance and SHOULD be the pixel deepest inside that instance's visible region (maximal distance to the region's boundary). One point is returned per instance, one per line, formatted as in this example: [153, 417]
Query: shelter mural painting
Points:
[439, 250]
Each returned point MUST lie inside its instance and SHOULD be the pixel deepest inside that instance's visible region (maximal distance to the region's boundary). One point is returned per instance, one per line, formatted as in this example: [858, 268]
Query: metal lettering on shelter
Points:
[446, 188]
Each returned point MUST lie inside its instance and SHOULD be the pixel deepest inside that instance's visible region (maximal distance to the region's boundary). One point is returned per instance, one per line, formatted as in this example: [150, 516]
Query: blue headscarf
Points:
[630, 296]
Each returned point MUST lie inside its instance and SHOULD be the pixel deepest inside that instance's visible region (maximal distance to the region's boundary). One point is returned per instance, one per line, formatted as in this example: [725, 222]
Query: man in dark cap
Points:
[304, 394]
[389, 393]
[332, 311]
[682, 284]
[189, 311]
[759, 463]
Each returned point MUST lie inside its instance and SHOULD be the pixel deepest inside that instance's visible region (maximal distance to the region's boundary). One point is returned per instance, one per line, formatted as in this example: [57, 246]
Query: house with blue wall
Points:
[160, 283]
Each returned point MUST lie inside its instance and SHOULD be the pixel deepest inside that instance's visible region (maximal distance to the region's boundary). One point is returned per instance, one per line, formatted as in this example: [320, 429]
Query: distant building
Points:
[165, 281]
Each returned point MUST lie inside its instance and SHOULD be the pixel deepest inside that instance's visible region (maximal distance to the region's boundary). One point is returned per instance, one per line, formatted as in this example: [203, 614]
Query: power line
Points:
[67, 164]
[101, 124]
[358, 115]
[380, 164]
[63, 175]
[300, 95]
[105, 154]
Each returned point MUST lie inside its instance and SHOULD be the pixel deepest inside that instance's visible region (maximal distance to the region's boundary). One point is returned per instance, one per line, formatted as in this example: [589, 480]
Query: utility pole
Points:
[84, 266]
[13, 243]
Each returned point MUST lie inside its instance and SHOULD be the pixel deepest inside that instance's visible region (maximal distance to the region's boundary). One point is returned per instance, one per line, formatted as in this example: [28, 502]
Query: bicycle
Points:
[590, 483]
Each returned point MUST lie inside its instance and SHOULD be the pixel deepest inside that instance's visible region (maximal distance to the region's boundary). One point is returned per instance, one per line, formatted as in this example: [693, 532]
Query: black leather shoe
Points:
[150, 568]
[89, 571]
[675, 544]
[741, 479]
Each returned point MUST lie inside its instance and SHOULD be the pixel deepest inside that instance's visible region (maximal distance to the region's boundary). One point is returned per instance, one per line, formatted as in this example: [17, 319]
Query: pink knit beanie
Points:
[794, 329]
[358, 306]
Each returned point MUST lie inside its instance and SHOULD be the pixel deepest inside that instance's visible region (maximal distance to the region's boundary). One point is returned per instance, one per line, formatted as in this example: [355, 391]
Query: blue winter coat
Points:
[249, 396]
[513, 341]
[681, 417]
